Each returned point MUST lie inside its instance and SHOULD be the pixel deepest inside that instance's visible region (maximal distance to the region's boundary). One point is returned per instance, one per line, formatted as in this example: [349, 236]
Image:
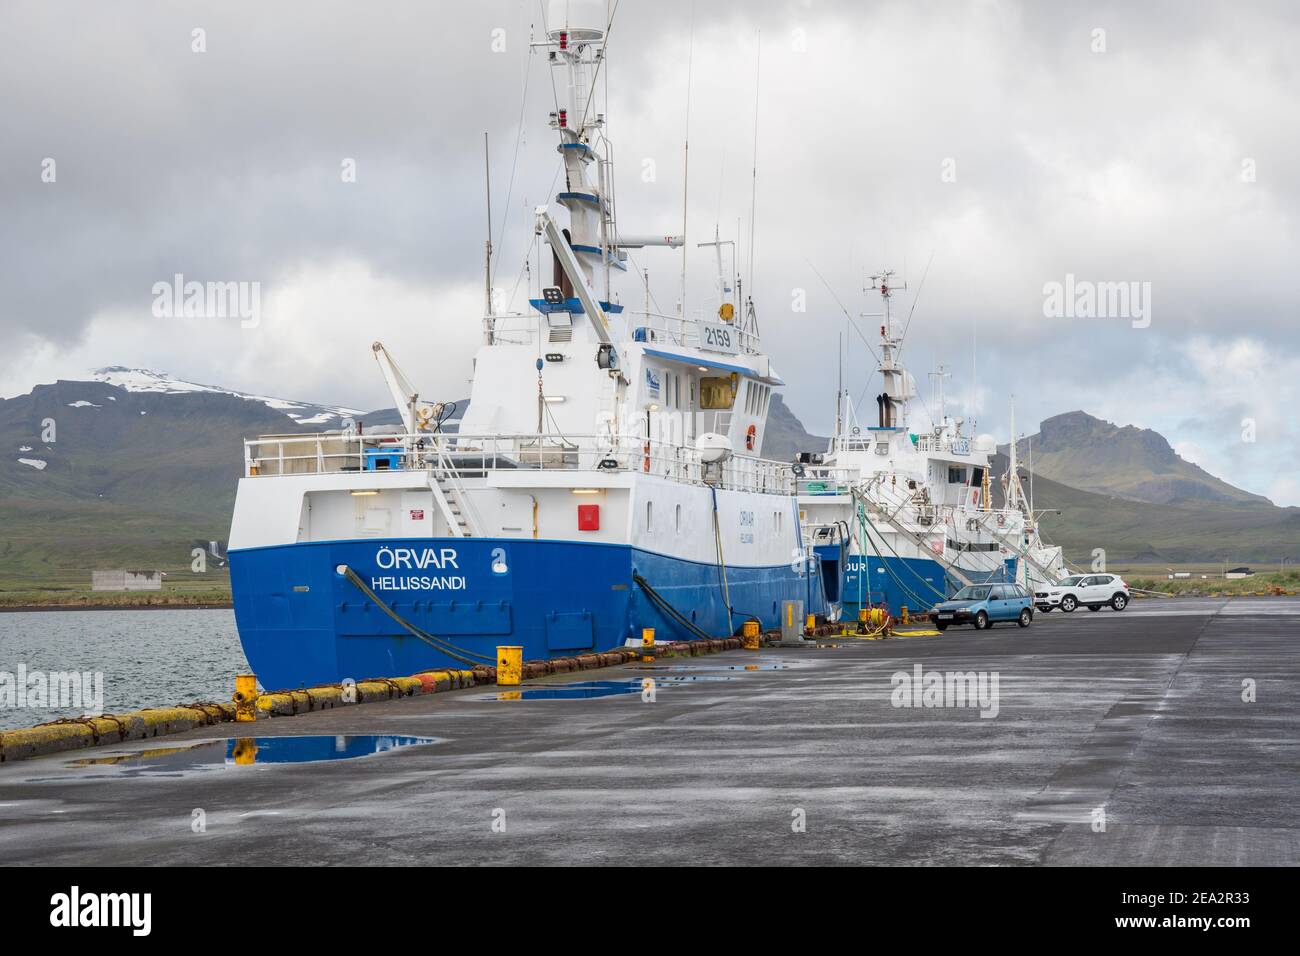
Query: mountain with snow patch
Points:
[148, 380]
[132, 466]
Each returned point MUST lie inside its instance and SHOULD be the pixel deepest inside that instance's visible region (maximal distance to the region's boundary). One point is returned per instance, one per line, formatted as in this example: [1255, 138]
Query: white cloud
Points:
[1120, 166]
[313, 341]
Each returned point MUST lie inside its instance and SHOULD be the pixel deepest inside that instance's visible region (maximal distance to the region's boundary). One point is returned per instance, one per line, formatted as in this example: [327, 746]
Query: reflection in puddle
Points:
[247, 751]
[580, 690]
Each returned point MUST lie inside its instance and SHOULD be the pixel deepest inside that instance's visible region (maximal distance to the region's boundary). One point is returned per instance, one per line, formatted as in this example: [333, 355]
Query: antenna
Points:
[937, 392]
[753, 186]
[686, 157]
[724, 287]
[487, 272]
[839, 389]
[917, 298]
[843, 309]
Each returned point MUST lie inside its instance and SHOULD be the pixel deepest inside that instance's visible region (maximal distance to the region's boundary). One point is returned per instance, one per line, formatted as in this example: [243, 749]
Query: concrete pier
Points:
[1118, 738]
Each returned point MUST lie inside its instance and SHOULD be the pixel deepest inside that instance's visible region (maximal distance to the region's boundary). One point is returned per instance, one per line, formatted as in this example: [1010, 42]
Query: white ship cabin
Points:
[668, 391]
[640, 433]
[653, 422]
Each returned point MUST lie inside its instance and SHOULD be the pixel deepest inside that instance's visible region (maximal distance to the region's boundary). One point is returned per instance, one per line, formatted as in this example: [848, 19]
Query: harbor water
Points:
[146, 658]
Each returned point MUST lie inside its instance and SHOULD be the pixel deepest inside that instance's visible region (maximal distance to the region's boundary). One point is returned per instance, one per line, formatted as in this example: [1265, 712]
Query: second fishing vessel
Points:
[909, 507]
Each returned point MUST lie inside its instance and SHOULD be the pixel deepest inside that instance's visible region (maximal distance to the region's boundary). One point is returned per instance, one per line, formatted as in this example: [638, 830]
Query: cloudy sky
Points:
[1007, 144]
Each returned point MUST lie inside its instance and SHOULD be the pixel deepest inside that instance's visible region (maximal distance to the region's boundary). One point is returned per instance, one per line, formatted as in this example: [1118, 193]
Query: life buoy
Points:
[749, 438]
[1001, 520]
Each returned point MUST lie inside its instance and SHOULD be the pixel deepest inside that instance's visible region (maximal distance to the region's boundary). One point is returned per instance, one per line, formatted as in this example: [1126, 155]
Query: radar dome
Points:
[582, 20]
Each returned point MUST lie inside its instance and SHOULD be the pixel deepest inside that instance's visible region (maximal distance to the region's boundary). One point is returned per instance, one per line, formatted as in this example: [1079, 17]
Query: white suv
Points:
[1094, 591]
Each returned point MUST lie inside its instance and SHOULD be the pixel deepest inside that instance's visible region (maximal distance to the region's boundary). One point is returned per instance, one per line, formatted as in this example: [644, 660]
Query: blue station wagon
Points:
[983, 605]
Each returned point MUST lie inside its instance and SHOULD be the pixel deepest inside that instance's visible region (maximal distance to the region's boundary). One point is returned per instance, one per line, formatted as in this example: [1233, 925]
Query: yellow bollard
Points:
[245, 697]
[510, 665]
[647, 644]
[902, 614]
[862, 620]
[749, 636]
[809, 623]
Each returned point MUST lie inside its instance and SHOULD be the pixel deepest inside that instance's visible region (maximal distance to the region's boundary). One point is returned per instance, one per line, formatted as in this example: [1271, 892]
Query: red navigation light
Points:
[564, 41]
[564, 117]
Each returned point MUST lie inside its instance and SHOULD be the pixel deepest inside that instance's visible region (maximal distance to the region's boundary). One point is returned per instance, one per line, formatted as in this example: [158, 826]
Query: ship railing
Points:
[649, 327]
[827, 480]
[672, 329]
[475, 456]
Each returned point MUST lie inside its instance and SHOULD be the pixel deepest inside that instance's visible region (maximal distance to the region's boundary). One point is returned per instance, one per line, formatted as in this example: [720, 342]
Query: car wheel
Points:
[1094, 607]
[1068, 603]
[1119, 602]
[940, 627]
[1025, 618]
[981, 621]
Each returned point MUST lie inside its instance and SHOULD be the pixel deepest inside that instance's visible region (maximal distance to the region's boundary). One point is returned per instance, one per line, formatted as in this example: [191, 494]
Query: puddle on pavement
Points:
[583, 689]
[250, 751]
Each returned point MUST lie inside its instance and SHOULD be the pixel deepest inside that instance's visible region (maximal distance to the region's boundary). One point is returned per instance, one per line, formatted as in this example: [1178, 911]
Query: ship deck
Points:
[1137, 714]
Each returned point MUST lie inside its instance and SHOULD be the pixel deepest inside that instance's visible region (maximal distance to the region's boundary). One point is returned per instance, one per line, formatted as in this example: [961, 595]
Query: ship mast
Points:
[1015, 494]
[895, 377]
[576, 47]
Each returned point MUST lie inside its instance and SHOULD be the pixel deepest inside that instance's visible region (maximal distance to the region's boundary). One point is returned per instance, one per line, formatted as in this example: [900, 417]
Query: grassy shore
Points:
[12, 599]
[1216, 585]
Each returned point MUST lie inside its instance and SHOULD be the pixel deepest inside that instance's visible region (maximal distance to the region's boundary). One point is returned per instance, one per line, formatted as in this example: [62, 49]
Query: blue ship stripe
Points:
[302, 623]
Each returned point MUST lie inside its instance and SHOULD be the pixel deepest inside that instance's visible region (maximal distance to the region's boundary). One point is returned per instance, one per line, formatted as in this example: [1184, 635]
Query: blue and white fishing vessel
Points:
[906, 507]
[605, 478]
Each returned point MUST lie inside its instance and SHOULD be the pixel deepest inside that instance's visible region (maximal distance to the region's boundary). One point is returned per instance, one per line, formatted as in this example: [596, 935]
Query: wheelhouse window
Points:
[717, 394]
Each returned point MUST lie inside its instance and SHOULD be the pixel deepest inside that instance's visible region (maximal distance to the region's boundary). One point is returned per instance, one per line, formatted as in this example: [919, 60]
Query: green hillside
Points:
[131, 480]
[1147, 533]
[1085, 452]
[138, 479]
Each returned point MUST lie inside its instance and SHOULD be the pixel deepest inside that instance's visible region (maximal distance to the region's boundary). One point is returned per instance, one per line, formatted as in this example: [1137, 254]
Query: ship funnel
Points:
[575, 21]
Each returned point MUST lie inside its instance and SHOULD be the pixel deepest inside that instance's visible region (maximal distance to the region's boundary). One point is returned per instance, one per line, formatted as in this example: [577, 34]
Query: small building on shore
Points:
[126, 580]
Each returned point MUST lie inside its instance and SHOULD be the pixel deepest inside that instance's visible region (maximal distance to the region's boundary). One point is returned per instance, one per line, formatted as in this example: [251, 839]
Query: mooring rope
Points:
[662, 603]
[451, 650]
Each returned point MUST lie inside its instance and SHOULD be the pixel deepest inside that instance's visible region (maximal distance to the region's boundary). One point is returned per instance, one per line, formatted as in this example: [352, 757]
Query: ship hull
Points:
[915, 583]
[302, 621]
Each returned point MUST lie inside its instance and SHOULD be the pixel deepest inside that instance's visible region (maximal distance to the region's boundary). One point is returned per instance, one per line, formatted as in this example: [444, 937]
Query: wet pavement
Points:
[1105, 739]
